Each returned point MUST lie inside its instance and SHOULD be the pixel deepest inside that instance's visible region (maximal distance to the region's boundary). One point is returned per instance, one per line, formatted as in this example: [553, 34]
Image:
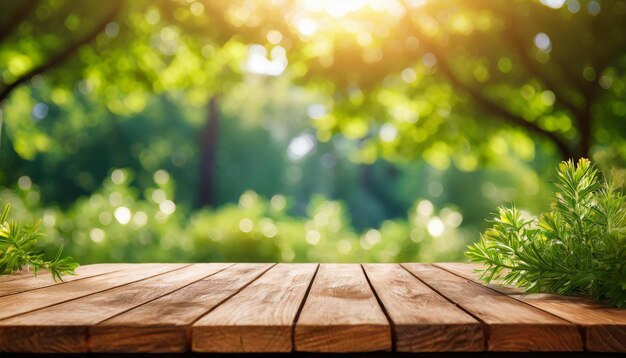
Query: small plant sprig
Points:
[17, 250]
[577, 247]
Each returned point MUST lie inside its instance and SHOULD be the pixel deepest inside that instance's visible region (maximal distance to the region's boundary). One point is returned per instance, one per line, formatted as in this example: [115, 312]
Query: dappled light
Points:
[305, 130]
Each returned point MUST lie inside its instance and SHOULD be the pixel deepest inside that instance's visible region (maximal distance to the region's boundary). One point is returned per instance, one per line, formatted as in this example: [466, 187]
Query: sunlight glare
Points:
[388, 133]
[435, 227]
[555, 4]
[334, 8]
[306, 26]
[342, 8]
[300, 146]
[259, 63]
[122, 215]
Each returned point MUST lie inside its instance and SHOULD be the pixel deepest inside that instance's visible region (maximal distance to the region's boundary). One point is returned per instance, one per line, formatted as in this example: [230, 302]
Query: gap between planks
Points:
[459, 333]
[392, 332]
[422, 320]
[422, 275]
[55, 327]
[512, 325]
[260, 318]
[161, 326]
[35, 282]
[342, 314]
[22, 274]
[486, 332]
[306, 296]
[603, 328]
[24, 302]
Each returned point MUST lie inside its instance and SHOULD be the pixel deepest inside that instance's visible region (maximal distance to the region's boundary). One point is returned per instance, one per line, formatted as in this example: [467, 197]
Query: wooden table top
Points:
[261, 307]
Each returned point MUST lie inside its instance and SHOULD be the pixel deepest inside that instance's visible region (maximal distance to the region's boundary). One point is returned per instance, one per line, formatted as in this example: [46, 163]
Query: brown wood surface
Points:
[341, 314]
[24, 273]
[513, 326]
[162, 325]
[303, 307]
[44, 279]
[605, 327]
[260, 318]
[28, 301]
[423, 321]
[63, 328]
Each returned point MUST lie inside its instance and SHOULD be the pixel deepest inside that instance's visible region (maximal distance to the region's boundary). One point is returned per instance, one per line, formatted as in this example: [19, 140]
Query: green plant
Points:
[577, 247]
[17, 250]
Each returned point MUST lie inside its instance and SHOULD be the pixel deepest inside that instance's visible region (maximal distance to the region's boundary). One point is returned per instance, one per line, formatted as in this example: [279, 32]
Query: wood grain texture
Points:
[162, 325]
[45, 279]
[604, 327]
[19, 334]
[21, 274]
[28, 301]
[260, 318]
[341, 314]
[44, 329]
[422, 320]
[267, 308]
[513, 326]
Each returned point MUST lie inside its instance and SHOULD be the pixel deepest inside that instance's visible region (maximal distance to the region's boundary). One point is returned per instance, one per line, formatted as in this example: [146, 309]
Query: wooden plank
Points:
[30, 273]
[422, 320]
[44, 280]
[21, 274]
[260, 318]
[162, 325]
[513, 326]
[341, 314]
[62, 328]
[604, 327]
[28, 301]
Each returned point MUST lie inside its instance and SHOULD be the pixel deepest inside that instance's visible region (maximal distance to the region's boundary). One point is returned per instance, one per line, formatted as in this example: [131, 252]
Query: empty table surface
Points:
[264, 307]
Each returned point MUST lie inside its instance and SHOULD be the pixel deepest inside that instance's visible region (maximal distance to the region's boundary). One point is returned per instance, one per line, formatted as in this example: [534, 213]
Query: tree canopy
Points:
[408, 78]
[192, 119]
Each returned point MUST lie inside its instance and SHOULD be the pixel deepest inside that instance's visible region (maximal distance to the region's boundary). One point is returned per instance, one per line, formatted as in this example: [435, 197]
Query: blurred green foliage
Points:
[429, 79]
[117, 223]
[144, 166]
[360, 111]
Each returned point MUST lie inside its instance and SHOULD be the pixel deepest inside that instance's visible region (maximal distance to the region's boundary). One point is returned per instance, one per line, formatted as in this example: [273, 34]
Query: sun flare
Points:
[339, 9]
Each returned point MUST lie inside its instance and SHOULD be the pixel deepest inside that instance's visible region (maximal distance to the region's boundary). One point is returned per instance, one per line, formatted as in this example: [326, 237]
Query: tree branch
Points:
[491, 107]
[63, 55]
[591, 89]
[1, 122]
[22, 12]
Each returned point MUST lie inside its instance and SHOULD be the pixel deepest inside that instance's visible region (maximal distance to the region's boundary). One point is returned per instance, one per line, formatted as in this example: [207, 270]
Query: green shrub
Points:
[118, 223]
[577, 247]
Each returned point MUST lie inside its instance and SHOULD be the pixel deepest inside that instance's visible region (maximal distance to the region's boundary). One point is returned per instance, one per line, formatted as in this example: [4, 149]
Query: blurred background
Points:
[302, 130]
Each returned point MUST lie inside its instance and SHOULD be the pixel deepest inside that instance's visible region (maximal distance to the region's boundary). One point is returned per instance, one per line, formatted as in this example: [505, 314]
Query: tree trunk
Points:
[585, 121]
[208, 151]
[585, 133]
[366, 176]
[1, 123]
